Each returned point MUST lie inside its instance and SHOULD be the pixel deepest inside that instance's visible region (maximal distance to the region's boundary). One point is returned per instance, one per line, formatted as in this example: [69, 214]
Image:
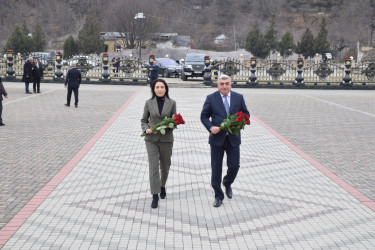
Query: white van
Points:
[329, 56]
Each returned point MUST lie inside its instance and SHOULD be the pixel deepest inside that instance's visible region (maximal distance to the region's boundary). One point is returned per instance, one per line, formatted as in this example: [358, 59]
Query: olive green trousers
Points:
[159, 157]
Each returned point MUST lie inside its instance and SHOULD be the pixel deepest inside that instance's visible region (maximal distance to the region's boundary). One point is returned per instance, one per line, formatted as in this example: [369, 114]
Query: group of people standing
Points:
[215, 109]
[32, 72]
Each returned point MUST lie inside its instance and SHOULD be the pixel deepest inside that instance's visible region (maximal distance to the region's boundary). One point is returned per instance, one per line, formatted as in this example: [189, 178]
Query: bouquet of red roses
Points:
[234, 123]
[167, 123]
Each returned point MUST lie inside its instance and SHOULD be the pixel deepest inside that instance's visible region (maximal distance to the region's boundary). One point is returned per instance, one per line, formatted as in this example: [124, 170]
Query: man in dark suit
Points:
[73, 80]
[37, 75]
[27, 74]
[215, 110]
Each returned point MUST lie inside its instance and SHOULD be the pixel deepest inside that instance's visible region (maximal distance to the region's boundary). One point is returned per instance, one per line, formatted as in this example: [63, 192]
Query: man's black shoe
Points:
[155, 201]
[217, 203]
[163, 193]
[67, 105]
[28, 93]
[2, 124]
[76, 106]
[228, 192]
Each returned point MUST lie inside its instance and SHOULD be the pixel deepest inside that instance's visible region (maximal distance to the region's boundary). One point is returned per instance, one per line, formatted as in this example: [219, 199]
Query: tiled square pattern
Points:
[280, 201]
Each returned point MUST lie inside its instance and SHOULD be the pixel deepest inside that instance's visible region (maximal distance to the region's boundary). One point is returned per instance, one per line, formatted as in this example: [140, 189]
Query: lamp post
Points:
[140, 16]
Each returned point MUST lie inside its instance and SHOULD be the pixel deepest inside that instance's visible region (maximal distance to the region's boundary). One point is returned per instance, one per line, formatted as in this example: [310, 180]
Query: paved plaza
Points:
[78, 178]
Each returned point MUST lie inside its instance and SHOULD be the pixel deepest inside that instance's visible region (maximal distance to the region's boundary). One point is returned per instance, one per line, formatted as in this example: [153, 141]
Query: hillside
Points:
[348, 21]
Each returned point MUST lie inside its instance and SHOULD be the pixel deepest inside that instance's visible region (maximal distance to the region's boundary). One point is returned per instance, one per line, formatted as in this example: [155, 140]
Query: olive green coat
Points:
[151, 117]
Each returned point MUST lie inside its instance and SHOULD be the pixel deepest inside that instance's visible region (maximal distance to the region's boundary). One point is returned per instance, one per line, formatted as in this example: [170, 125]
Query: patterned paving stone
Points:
[334, 127]
[281, 200]
[41, 136]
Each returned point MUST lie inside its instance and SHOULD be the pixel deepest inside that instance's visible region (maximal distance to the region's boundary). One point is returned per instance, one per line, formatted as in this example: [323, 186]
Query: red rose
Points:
[178, 119]
[247, 122]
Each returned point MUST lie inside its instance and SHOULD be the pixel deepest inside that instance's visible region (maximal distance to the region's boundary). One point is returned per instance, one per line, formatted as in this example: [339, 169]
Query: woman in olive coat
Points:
[159, 146]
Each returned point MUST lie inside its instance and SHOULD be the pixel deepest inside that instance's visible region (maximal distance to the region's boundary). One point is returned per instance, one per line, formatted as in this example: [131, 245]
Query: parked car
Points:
[194, 66]
[45, 58]
[45, 55]
[168, 67]
[81, 61]
[329, 56]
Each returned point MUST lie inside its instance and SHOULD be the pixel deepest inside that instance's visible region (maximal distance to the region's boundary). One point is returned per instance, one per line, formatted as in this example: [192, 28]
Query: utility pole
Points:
[234, 33]
[372, 24]
[140, 16]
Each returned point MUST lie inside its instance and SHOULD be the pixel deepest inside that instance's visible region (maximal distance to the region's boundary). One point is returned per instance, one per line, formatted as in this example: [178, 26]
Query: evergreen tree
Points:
[71, 48]
[305, 45]
[270, 37]
[286, 45]
[89, 39]
[18, 41]
[322, 45]
[256, 43]
[38, 38]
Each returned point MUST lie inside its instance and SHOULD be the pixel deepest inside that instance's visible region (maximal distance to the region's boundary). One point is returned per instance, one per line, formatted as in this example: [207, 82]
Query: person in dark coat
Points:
[2, 93]
[37, 75]
[73, 80]
[154, 72]
[215, 67]
[27, 74]
[116, 63]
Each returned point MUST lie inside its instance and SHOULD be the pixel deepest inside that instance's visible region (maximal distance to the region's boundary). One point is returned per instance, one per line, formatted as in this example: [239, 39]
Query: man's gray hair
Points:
[223, 77]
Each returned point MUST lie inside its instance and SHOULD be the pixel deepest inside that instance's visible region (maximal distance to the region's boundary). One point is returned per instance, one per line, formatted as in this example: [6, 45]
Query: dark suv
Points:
[194, 65]
[168, 67]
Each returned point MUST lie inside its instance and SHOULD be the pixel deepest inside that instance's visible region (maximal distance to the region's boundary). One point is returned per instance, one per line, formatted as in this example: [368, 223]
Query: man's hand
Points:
[215, 130]
[6, 97]
[149, 131]
[65, 86]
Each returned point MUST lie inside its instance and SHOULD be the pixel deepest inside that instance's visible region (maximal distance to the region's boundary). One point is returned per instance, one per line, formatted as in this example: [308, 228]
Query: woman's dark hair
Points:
[153, 88]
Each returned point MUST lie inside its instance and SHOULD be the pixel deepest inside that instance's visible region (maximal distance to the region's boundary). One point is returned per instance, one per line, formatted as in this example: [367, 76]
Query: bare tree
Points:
[121, 19]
